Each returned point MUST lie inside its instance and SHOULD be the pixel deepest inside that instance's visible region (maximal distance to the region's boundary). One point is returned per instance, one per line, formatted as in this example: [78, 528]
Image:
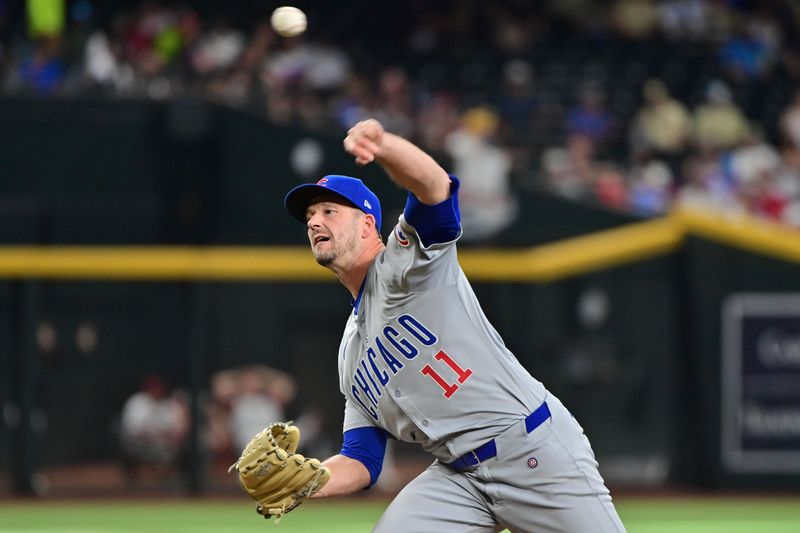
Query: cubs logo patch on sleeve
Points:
[402, 240]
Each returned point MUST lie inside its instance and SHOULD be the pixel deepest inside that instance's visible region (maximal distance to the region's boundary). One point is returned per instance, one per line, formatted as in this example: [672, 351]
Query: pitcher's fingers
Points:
[354, 144]
[349, 144]
[362, 153]
[368, 144]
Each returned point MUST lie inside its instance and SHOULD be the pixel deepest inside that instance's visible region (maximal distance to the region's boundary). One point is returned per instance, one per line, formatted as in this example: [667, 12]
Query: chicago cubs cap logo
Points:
[402, 240]
[323, 182]
[532, 462]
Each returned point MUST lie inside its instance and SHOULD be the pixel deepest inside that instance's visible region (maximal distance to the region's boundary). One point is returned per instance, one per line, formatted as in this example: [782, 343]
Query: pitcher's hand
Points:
[364, 141]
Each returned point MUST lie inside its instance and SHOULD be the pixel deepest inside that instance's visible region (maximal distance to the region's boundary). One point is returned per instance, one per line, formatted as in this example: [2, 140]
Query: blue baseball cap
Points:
[350, 189]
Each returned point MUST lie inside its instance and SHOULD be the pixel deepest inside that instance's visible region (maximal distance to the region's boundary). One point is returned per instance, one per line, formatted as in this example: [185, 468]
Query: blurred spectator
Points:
[232, 88]
[217, 437]
[153, 429]
[141, 35]
[516, 102]
[486, 201]
[708, 186]
[764, 24]
[662, 127]
[745, 55]
[790, 123]
[42, 71]
[591, 119]
[311, 66]
[425, 32]
[105, 64]
[37, 67]
[437, 118]
[354, 104]
[755, 165]
[610, 187]
[243, 402]
[512, 31]
[754, 160]
[217, 49]
[262, 41]
[261, 399]
[718, 123]
[313, 440]
[394, 106]
[651, 188]
[721, 20]
[761, 199]
[296, 80]
[634, 19]
[683, 19]
[571, 170]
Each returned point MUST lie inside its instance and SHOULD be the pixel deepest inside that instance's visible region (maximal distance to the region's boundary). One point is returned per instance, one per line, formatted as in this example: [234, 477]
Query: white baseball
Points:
[288, 21]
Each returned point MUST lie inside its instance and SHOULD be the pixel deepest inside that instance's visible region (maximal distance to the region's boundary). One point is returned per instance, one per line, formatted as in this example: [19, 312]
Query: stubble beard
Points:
[339, 248]
[326, 259]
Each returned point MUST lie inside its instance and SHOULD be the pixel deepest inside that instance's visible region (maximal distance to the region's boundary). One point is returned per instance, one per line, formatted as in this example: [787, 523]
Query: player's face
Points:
[332, 229]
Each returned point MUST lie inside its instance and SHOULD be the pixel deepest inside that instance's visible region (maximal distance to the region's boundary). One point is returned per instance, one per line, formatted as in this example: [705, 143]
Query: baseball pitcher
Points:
[420, 362]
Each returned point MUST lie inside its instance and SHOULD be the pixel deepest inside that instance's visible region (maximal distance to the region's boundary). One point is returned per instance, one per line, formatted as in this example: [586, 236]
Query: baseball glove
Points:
[276, 477]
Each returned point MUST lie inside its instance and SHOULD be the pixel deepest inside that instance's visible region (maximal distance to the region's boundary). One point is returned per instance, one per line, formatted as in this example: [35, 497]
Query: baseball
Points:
[288, 21]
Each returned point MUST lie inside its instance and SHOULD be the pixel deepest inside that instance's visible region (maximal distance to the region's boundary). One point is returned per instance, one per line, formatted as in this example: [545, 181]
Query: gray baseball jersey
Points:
[420, 360]
[420, 353]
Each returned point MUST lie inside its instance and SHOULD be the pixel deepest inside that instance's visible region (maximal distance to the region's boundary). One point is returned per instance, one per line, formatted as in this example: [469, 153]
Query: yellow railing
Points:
[548, 262]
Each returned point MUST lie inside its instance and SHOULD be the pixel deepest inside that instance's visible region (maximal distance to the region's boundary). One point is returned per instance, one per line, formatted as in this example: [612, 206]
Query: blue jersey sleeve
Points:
[367, 445]
[435, 223]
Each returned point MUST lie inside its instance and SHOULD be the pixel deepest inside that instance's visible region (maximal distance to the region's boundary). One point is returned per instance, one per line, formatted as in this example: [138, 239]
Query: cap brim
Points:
[298, 199]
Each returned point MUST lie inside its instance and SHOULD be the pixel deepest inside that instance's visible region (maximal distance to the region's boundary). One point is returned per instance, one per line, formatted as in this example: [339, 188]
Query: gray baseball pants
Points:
[539, 482]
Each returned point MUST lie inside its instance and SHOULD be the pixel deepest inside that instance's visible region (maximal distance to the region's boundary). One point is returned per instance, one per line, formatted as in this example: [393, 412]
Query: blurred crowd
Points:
[634, 104]
[153, 430]
[155, 422]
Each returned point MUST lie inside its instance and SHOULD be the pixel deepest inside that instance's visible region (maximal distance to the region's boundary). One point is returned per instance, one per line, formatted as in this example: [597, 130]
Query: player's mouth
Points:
[320, 238]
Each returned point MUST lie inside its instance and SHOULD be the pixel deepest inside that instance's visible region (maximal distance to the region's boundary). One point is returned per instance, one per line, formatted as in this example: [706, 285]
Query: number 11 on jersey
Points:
[448, 388]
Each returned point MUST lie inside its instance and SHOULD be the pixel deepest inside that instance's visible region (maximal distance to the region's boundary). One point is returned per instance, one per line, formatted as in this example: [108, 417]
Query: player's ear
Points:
[368, 226]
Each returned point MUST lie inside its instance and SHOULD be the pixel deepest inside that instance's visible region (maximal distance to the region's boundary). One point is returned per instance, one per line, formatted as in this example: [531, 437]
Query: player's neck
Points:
[352, 274]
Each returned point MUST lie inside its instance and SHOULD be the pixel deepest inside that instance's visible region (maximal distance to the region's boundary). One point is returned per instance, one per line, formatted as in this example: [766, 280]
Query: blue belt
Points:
[489, 450]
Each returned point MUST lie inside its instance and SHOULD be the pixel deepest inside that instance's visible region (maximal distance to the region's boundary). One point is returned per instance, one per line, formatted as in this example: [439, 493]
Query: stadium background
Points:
[149, 217]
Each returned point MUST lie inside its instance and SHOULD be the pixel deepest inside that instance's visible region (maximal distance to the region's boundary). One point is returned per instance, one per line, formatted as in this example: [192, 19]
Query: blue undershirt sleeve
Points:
[438, 223]
[368, 446]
